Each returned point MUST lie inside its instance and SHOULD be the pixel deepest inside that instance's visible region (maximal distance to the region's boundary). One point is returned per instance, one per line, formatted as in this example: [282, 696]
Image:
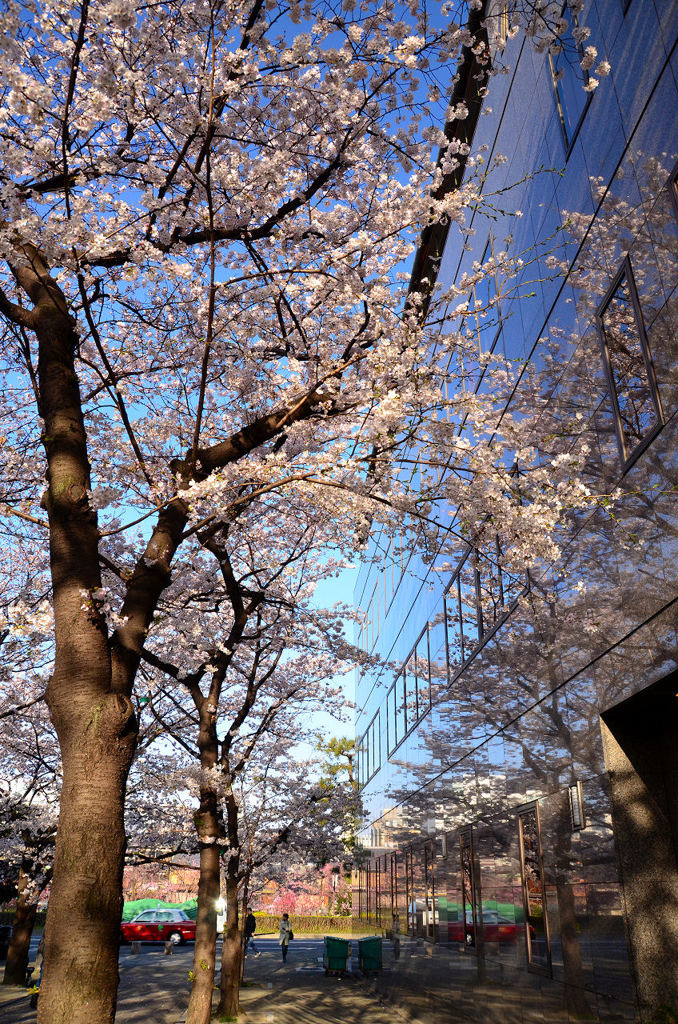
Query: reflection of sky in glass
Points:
[566, 625]
[569, 81]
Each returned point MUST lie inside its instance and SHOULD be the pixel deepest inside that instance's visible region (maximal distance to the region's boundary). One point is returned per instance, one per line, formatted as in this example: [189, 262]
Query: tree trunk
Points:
[82, 932]
[231, 953]
[96, 726]
[244, 897]
[204, 957]
[16, 967]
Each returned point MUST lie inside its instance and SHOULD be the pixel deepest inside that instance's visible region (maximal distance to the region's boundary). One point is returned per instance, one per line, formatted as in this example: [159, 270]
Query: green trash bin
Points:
[335, 954]
[370, 953]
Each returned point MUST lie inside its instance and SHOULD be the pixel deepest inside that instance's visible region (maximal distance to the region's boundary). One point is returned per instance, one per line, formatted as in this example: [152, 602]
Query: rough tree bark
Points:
[231, 953]
[244, 900]
[96, 727]
[89, 694]
[16, 967]
[232, 946]
[81, 961]
[209, 834]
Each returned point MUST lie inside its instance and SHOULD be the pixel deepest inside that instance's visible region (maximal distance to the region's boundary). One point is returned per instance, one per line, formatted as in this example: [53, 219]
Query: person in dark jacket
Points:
[250, 928]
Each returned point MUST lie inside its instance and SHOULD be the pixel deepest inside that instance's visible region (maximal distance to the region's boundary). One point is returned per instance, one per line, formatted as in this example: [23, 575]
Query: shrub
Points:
[305, 923]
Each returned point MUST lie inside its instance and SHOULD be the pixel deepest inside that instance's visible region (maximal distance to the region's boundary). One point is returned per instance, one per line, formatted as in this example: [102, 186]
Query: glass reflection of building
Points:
[519, 768]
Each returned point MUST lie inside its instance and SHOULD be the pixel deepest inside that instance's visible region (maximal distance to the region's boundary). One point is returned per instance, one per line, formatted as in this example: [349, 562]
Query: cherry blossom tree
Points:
[207, 213]
[29, 752]
[29, 795]
[302, 889]
[241, 707]
[339, 814]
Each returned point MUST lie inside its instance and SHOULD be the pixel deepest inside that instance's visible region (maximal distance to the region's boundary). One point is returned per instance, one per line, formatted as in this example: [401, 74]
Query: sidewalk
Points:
[298, 992]
[155, 991]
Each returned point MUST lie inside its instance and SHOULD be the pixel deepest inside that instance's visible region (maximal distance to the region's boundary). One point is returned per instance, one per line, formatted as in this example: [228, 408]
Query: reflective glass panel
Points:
[431, 913]
[411, 904]
[375, 745]
[390, 719]
[437, 655]
[418, 891]
[410, 676]
[423, 675]
[491, 596]
[401, 727]
[394, 883]
[368, 892]
[467, 889]
[468, 607]
[630, 378]
[568, 80]
[512, 586]
[536, 925]
[453, 628]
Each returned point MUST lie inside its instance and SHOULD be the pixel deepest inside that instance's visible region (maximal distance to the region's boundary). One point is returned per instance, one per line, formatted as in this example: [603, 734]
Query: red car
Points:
[159, 926]
[495, 929]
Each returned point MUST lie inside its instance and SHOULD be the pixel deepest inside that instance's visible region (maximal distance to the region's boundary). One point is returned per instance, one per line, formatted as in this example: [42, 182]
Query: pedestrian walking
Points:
[250, 928]
[38, 967]
[285, 935]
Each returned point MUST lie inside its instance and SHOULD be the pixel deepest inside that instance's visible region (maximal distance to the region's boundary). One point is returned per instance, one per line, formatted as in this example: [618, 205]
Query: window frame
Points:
[629, 457]
[468, 646]
[411, 924]
[369, 750]
[431, 927]
[453, 597]
[393, 716]
[413, 660]
[390, 723]
[400, 709]
[368, 891]
[546, 970]
[465, 589]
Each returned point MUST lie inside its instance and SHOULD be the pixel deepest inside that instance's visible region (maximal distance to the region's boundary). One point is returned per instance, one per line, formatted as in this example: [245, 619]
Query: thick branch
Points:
[17, 314]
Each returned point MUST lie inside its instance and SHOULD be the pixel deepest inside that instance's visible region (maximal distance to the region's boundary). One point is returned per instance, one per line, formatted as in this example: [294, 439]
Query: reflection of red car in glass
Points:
[158, 926]
[495, 929]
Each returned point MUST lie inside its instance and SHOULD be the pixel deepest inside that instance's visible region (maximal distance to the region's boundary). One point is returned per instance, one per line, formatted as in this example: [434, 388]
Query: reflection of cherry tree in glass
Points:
[572, 611]
[628, 366]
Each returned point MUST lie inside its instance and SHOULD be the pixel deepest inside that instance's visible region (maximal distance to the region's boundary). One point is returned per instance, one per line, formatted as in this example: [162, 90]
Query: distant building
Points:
[519, 770]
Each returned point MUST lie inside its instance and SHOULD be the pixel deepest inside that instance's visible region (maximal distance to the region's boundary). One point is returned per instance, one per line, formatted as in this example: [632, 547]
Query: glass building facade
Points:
[519, 765]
